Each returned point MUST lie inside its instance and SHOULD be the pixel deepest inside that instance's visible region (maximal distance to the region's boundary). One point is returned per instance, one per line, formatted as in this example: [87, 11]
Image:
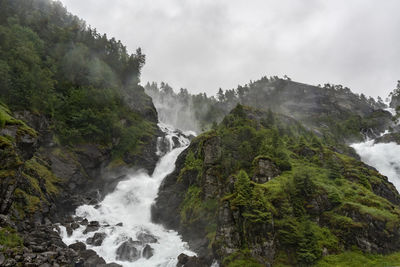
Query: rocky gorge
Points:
[281, 173]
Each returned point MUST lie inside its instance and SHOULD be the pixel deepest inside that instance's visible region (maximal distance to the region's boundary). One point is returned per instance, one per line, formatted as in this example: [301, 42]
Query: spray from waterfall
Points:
[124, 218]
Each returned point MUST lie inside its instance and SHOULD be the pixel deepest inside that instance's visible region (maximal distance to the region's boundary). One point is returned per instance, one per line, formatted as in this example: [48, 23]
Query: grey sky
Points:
[202, 45]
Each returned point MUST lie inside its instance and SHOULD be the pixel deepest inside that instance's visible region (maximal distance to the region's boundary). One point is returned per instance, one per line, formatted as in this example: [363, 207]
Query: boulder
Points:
[127, 251]
[148, 252]
[97, 239]
[93, 226]
[91, 259]
[190, 261]
[79, 246]
[146, 238]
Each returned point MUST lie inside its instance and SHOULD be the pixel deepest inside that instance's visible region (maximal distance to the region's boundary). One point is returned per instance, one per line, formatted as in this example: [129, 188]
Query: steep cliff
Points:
[42, 181]
[260, 189]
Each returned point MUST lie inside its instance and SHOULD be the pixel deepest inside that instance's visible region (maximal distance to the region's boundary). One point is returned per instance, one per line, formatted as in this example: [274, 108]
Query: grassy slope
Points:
[311, 171]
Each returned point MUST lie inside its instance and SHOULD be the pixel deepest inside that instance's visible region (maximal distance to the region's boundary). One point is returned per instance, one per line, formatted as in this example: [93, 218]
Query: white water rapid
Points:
[385, 157]
[130, 204]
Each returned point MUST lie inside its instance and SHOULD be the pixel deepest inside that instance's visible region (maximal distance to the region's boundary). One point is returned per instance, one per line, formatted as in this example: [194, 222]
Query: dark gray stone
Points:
[146, 238]
[97, 239]
[148, 252]
[127, 251]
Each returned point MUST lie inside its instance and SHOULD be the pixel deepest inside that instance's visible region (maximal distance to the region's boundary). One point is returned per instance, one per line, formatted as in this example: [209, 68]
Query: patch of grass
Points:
[31, 203]
[191, 205]
[191, 164]
[34, 166]
[359, 259]
[9, 238]
[240, 259]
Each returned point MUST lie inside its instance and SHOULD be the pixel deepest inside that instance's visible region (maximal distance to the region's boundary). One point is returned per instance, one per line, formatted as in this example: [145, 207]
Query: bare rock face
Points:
[212, 151]
[265, 171]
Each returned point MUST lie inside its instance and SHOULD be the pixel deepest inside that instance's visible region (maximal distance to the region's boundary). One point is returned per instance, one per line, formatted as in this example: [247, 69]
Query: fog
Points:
[204, 45]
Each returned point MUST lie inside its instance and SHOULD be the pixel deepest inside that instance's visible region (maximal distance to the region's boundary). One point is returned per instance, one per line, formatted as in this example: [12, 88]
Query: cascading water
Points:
[125, 217]
[385, 157]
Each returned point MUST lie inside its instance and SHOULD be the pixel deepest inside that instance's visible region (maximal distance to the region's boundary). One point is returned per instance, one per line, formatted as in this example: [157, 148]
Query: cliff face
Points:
[262, 190]
[43, 181]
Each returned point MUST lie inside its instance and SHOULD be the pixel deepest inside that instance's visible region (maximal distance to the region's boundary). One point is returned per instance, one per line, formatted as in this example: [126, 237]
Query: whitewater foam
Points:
[385, 157]
[130, 204]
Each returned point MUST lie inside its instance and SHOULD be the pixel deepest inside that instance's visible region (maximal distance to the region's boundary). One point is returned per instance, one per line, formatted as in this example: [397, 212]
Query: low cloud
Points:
[205, 44]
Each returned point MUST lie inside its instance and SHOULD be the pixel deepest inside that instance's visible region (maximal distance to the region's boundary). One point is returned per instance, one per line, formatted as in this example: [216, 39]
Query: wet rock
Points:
[127, 251]
[84, 222]
[148, 252]
[97, 239]
[79, 246]
[265, 170]
[190, 261]
[74, 226]
[146, 238]
[91, 259]
[119, 224]
[93, 226]
[69, 230]
[112, 265]
[182, 259]
[212, 151]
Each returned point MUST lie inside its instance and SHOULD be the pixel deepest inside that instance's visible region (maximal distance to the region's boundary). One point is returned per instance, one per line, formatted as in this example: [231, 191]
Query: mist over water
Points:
[130, 204]
[384, 157]
[174, 109]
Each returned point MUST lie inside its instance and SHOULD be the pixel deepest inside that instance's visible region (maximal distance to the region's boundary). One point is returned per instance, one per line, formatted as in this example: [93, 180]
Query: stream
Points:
[124, 216]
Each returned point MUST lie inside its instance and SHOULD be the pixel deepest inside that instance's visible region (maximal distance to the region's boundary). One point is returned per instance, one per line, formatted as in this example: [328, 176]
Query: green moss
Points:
[31, 203]
[133, 138]
[241, 258]
[359, 259]
[5, 142]
[34, 166]
[9, 238]
[191, 164]
[191, 206]
[320, 185]
[116, 162]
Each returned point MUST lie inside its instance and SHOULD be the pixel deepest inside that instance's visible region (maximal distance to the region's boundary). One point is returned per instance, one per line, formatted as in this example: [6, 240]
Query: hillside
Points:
[331, 111]
[261, 189]
[73, 119]
[269, 181]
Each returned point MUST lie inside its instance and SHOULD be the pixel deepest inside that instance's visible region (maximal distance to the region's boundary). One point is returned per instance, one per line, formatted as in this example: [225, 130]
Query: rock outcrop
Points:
[283, 197]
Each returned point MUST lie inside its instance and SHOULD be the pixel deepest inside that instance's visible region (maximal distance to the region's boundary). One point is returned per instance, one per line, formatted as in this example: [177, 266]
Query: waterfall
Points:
[125, 216]
[385, 157]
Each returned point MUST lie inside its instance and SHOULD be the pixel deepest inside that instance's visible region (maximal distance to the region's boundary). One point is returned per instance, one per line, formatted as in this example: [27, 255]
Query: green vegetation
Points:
[9, 239]
[240, 258]
[333, 110]
[319, 202]
[81, 80]
[359, 259]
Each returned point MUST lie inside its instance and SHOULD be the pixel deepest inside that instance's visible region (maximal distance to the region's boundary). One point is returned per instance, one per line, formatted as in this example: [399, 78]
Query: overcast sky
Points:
[202, 45]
